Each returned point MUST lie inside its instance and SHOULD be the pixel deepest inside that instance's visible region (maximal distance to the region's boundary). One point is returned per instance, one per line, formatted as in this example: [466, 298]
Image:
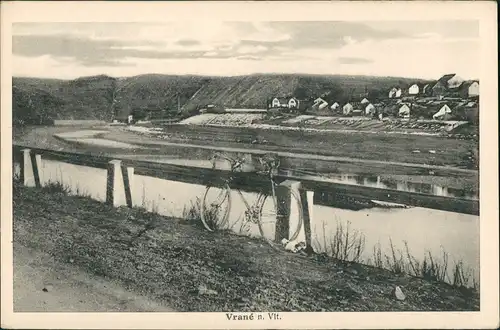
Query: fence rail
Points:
[254, 182]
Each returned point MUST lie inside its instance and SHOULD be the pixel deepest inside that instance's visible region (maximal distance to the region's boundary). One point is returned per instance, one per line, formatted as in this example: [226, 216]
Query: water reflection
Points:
[379, 182]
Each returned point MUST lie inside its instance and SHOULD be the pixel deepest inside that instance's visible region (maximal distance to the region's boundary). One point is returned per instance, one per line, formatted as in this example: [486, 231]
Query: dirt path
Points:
[69, 289]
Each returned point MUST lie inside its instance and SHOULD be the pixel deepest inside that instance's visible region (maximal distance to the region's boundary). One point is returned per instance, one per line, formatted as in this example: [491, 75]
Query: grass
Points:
[168, 259]
[345, 244]
[192, 214]
[348, 245]
[429, 268]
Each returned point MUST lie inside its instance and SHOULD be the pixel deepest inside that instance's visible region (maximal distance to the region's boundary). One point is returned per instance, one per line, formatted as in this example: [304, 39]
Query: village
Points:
[448, 98]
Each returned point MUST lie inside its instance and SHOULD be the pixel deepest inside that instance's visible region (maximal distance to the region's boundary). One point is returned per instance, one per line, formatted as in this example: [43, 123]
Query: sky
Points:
[419, 49]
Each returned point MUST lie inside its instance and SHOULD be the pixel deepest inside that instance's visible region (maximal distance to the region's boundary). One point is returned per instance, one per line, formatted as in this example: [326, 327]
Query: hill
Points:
[103, 97]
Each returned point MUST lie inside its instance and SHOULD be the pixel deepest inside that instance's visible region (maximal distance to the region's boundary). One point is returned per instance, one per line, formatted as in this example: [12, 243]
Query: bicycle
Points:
[265, 212]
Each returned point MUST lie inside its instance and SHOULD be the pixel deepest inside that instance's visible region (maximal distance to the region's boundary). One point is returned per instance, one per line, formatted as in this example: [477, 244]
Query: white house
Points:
[398, 92]
[335, 106]
[275, 103]
[474, 89]
[416, 89]
[283, 102]
[293, 103]
[471, 89]
[442, 113]
[404, 111]
[370, 109]
[363, 101]
[320, 103]
[347, 109]
[392, 92]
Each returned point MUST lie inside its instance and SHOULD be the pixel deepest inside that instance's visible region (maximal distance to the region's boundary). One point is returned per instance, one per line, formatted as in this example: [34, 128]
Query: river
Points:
[423, 229]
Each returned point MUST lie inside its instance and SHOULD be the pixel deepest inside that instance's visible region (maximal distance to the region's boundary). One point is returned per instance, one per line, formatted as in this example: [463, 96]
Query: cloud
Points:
[354, 60]
[89, 52]
[252, 49]
[243, 47]
[187, 42]
[249, 58]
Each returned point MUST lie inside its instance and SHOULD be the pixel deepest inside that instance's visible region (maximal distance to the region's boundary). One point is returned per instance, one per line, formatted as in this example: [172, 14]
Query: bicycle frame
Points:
[237, 163]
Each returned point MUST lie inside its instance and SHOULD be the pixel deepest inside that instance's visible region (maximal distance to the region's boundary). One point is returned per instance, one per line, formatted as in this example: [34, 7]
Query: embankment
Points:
[174, 261]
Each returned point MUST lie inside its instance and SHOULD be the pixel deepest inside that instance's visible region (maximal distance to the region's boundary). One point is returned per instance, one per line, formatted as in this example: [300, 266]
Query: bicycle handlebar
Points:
[269, 161]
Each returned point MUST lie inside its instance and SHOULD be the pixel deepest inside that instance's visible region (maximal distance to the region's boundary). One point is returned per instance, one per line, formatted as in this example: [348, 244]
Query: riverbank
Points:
[190, 269]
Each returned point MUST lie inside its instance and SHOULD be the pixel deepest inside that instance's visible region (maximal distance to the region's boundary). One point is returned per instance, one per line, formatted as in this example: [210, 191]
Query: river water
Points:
[423, 229]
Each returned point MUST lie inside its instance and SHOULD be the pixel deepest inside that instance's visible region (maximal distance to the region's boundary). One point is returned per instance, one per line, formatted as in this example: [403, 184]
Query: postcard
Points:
[249, 165]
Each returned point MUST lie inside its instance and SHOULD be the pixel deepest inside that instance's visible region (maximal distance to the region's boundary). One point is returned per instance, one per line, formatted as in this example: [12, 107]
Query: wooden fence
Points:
[121, 171]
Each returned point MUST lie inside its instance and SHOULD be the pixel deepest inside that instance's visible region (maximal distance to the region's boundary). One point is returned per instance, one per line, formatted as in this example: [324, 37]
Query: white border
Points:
[484, 11]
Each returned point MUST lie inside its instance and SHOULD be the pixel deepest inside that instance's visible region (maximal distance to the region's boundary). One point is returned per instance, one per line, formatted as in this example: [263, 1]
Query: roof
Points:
[446, 77]
[456, 87]
[468, 83]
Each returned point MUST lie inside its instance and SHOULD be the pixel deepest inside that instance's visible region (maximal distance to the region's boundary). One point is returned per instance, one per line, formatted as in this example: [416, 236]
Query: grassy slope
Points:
[84, 98]
[92, 97]
[170, 262]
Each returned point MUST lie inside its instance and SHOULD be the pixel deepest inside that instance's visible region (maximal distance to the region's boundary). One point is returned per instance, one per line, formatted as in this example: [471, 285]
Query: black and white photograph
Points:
[252, 164]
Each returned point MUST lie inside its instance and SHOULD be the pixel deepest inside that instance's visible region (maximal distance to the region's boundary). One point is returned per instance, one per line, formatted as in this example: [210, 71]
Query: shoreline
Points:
[178, 262]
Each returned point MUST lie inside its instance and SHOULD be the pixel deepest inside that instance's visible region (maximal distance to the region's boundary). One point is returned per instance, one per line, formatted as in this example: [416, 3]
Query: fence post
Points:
[287, 215]
[27, 175]
[36, 161]
[128, 180]
[115, 190]
[307, 198]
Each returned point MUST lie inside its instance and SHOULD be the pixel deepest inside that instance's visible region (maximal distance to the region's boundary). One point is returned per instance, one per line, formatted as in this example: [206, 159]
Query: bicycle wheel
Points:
[269, 214]
[215, 207]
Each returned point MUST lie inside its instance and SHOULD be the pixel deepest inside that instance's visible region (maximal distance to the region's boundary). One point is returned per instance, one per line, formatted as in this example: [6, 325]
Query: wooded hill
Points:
[104, 98]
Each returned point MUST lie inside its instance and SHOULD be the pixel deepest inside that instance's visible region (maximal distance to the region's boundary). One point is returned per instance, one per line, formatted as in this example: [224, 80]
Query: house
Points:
[364, 101]
[285, 102]
[446, 83]
[469, 89]
[415, 89]
[404, 111]
[443, 113]
[335, 106]
[399, 92]
[427, 89]
[347, 109]
[320, 104]
[392, 92]
[370, 109]
[293, 103]
[279, 102]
